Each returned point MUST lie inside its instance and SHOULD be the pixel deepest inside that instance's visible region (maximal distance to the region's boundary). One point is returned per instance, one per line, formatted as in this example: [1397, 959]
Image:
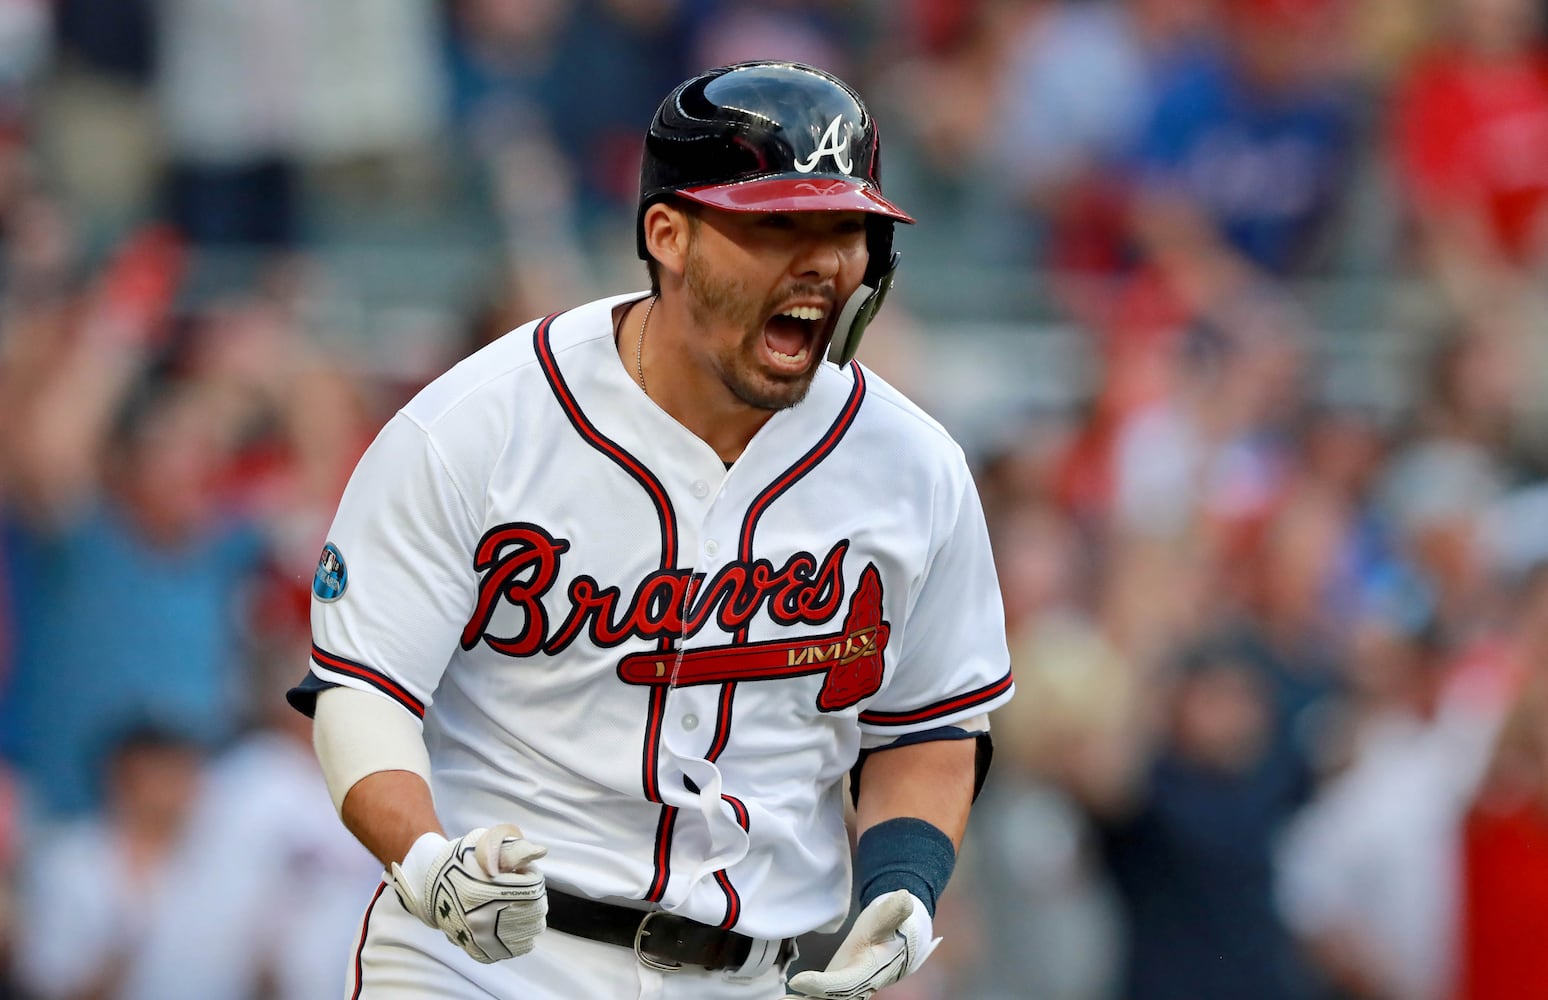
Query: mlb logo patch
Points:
[332, 577]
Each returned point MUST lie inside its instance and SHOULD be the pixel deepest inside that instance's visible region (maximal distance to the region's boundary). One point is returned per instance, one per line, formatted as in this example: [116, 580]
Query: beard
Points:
[716, 300]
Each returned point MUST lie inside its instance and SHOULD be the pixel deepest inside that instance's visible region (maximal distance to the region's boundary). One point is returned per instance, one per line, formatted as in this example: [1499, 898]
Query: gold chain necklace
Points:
[639, 347]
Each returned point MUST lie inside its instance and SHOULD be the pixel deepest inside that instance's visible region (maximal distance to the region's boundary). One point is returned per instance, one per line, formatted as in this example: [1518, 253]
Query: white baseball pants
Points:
[398, 958]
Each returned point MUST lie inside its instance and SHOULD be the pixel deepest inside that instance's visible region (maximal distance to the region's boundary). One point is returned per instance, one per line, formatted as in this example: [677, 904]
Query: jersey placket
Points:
[697, 719]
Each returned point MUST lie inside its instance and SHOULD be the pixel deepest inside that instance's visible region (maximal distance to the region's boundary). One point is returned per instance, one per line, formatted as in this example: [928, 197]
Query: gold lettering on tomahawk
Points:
[846, 650]
[813, 654]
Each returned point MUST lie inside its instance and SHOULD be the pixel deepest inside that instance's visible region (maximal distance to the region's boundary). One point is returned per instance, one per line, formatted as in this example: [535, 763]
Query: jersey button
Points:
[711, 547]
[690, 722]
[700, 488]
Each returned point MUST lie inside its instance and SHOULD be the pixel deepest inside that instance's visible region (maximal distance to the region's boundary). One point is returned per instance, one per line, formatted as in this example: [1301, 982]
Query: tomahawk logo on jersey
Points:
[663, 669]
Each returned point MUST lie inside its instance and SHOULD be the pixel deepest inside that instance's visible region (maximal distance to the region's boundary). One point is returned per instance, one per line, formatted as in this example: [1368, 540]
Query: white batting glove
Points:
[480, 890]
[890, 939]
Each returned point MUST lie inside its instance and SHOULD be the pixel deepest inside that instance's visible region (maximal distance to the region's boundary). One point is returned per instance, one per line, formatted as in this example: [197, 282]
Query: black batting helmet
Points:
[773, 136]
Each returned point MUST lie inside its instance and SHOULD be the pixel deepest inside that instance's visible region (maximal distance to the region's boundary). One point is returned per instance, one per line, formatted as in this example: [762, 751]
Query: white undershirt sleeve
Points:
[356, 733]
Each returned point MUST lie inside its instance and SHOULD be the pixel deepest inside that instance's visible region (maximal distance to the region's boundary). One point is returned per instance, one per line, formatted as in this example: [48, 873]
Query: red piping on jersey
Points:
[740, 808]
[360, 948]
[667, 518]
[649, 778]
[733, 900]
[377, 679]
[979, 696]
[755, 511]
[663, 857]
[802, 466]
[607, 446]
[722, 722]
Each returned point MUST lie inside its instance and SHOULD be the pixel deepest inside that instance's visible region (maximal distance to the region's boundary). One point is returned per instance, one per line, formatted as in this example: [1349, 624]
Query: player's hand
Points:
[480, 890]
[890, 939]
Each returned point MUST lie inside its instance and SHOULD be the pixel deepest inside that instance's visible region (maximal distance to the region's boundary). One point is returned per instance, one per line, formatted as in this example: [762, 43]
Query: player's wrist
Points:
[414, 874]
[425, 850]
[904, 853]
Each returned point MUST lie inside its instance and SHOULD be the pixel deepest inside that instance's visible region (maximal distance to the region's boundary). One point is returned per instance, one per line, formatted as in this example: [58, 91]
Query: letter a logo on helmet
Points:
[741, 138]
[830, 145]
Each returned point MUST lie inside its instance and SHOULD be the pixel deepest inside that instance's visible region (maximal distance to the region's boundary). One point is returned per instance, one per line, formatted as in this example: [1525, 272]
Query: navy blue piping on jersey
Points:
[372, 676]
[667, 520]
[755, 511]
[944, 707]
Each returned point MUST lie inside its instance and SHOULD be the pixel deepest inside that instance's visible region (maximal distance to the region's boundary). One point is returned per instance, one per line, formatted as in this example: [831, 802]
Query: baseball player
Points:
[611, 609]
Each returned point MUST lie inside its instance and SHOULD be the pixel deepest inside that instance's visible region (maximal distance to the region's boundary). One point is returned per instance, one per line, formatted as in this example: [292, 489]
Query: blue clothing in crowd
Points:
[1265, 167]
[112, 632]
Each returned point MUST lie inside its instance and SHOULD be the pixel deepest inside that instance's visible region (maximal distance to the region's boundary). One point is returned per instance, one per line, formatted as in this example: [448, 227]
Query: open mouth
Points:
[792, 335]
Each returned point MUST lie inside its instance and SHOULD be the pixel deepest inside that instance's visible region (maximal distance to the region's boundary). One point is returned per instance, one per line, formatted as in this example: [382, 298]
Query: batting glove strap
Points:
[480, 890]
[889, 940]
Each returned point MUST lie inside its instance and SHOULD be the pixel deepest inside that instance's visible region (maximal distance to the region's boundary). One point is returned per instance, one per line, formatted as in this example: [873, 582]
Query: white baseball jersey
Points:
[657, 667]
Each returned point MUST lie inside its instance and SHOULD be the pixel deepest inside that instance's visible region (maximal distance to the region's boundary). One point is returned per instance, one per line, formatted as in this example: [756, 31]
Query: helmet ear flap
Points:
[878, 242]
[861, 308]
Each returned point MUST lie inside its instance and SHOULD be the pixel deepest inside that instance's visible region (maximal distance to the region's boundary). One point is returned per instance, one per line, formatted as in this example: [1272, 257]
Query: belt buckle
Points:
[640, 933]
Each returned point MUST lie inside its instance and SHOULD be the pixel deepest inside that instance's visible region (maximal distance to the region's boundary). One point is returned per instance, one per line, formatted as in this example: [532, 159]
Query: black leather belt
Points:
[662, 940]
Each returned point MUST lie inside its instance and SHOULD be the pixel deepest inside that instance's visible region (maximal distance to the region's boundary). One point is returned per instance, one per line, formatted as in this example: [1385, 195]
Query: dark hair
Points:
[139, 732]
[1209, 655]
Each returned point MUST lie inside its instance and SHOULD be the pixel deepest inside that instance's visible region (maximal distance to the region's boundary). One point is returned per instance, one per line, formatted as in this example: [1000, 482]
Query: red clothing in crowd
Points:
[1473, 135]
[1504, 904]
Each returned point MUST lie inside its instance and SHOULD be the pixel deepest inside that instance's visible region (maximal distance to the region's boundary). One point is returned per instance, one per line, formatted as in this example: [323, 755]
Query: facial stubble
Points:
[715, 300]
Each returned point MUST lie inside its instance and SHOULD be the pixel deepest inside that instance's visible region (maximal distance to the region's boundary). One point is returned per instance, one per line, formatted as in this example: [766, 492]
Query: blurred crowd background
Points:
[1237, 306]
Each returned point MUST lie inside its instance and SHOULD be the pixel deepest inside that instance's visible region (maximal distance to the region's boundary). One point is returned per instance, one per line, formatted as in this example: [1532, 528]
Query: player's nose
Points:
[821, 257]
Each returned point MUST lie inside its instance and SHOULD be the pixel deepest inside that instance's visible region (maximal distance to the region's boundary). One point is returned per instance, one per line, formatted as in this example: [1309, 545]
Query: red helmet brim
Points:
[817, 193]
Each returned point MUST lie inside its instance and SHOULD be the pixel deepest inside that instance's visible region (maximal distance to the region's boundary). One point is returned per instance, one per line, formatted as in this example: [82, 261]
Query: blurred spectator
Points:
[1369, 871]
[371, 87]
[1243, 161]
[573, 74]
[1195, 464]
[1504, 850]
[1075, 90]
[631, 49]
[1287, 621]
[935, 77]
[273, 885]
[1208, 445]
[1441, 482]
[1386, 34]
[12, 828]
[1471, 150]
[503, 69]
[807, 31]
[25, 52]
[1047, 925]
[127, 604]
[94, 891]
[1189, 812]
[229, 97]
[125, 565]
[96, 128]
[507, 76]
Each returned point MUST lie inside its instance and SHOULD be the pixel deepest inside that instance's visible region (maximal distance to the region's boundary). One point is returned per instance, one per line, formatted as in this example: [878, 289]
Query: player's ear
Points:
[668, 229]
